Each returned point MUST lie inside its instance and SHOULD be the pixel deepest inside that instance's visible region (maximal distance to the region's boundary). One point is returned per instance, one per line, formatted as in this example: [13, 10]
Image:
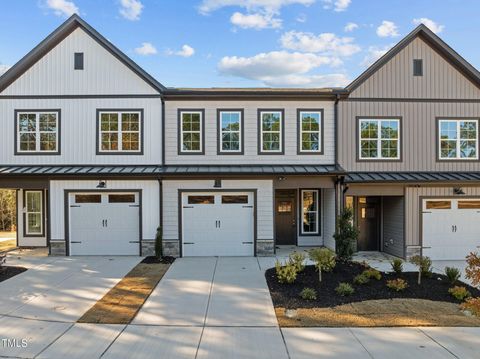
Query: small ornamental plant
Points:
[308, 294]
[286, 273]
[298, 260]
[158, 243]
[424, 265]
[453, 274]
[324, 260]
[397, 265]
[372, 273]
[459, 293]
[344, 289]
[397, 285]
[472, 271]
[472, 305]
[361, 279]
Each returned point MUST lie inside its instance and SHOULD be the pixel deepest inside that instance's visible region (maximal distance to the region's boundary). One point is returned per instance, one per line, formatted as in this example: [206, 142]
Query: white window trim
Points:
[379, 139]
[119, 132]
[317, 212]
[27, 232]
[37, 131]
[199, 132]
[280, 132]
[458, 140]
[319, 132]
[240, 134]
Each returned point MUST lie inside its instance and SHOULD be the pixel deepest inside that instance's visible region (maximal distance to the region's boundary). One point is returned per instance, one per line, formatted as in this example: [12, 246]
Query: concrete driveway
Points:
[202, 308]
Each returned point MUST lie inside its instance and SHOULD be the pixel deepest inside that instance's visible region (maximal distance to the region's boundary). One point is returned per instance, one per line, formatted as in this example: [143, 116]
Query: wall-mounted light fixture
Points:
[217, 183]
[102, 184]
[282, 178]
[458, 190]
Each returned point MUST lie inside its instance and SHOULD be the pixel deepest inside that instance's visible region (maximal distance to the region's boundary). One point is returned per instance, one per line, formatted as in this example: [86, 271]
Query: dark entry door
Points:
[368, 223]
[285, 217]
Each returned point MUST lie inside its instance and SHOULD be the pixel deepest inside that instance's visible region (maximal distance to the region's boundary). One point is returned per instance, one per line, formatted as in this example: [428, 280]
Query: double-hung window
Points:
[230, 131]
[191, 131]
[458, 139]
[310, 131]
[120, 131]
[310, 212]
[37, 132]
[33, 213]
[271, 131]
[379, 139]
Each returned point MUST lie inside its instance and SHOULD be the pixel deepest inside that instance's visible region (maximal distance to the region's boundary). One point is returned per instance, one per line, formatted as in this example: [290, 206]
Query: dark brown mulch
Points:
[154, 259]
[288, 295]
[7, 272]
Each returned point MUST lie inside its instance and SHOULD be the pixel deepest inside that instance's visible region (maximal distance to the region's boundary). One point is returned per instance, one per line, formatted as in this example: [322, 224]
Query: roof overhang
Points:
[410, 177]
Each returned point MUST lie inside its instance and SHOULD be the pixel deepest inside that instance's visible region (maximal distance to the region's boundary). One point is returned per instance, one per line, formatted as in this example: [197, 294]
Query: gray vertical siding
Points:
[440, 79]
[393, 225]
[418, 137]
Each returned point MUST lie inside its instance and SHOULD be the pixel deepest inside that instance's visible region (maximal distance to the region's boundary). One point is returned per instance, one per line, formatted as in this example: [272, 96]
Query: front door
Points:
[285, 217]
[368, 223]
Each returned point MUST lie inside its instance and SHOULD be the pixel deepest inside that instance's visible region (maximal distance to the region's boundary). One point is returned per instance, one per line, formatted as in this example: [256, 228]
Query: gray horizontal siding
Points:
[440, 79]
[393, 225]
[419, 132]
[251, 136]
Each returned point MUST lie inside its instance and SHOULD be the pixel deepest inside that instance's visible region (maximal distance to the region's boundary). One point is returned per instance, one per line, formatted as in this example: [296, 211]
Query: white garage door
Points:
[451, 228]
[104, 224]
[218, 224]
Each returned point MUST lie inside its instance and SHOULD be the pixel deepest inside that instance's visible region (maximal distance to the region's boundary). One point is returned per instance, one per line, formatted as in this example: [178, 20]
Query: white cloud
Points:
[131, 9]
[387, 29]
[146, 49]
[374, 53]
[186, 51]
[62, 7]
[269, 6]
[278, 68]
[326, 43]
[351, 26]
[255, 21]
[432, 25]
[301, 18]
[3, 69]
[336, 5]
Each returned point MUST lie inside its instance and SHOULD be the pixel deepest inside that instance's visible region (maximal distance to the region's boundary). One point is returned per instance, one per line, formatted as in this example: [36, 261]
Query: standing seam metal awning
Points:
[375, 177]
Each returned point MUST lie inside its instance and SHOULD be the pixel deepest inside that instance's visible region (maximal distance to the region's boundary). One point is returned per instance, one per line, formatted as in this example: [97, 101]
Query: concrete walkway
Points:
[202, 308]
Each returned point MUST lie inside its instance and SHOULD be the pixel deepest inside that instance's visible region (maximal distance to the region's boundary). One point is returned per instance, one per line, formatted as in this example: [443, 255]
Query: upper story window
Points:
[230, 135]
[120, 132]
[458, 139]
[78, 61]
[191, 131]
[271, 131]
[417, 67]
[37, 132]
[379, 139]
[310, 133]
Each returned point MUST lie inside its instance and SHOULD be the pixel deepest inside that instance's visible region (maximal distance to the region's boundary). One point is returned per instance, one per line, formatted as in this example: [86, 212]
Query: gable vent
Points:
[78, 61]
[417, 67]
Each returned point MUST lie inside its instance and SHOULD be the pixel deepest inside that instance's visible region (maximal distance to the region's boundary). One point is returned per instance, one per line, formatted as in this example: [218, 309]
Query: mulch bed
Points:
[434, 288]
[7, 272]
[122, 303]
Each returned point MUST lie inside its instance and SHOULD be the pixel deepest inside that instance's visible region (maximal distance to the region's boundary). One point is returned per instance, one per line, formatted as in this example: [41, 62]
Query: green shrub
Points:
[453, 274]
[298, 259]
[308, 294]
[459, 293]
[158, 243]
[397, 285]
[397, 265]
[324, 260]
[286, 273]
[346, 235]
[424, 265]
[372, 273]
[344, 289]
[361, 279]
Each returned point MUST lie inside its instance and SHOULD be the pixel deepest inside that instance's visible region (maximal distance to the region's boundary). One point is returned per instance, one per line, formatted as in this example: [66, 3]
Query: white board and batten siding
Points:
[150, 203]
[103, 74]
[264, 203]
[250, 155]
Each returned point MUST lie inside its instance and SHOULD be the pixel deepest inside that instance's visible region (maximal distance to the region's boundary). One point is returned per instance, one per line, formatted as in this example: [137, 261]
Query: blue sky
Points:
[245, 43]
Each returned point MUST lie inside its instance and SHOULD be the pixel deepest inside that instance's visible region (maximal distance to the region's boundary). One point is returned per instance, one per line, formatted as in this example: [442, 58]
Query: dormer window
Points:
[418, 67]
[78, 61]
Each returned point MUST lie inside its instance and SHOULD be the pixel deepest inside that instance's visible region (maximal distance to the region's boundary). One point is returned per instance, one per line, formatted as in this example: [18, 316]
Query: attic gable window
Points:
[418, 67]
[78, 61]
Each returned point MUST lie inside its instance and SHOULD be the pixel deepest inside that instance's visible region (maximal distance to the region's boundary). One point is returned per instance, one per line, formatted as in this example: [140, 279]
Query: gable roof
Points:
[436, 43]
[58, 36]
